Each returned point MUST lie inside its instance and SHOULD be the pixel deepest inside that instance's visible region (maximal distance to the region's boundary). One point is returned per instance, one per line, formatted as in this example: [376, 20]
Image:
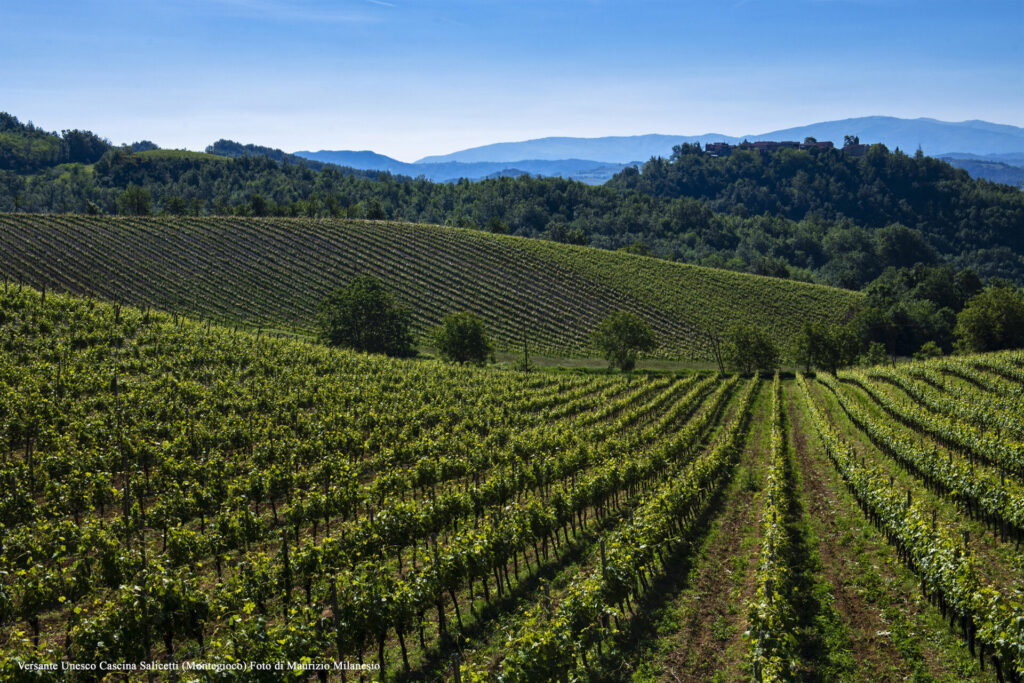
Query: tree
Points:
[810, 140]
[461, 338]
[715, 342]
[685, 149]
[992, 320]
[557, 231]
[258, 205]
[874, 355]
[826, 346]
[841, 349]
[495, 225]
[851, 140]
[576, 236]
[174, 205]
[366, 317]
[638, 247]
[928, 350]
[749, 348]
[621, 337]
[374, 211]
[902, 247]
[134, 201]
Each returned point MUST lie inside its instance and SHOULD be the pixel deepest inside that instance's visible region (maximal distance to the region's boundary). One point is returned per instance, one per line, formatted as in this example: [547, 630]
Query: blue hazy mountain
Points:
[932, 136]
[579, 169]
[990, 167]
[985, 150]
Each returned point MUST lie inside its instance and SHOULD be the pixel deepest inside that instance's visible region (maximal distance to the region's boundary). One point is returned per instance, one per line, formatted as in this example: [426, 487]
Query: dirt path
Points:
[890, 632]
[693, 630]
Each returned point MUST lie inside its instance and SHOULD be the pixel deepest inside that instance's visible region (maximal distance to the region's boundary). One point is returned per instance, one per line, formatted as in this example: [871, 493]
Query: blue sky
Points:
[411, 78]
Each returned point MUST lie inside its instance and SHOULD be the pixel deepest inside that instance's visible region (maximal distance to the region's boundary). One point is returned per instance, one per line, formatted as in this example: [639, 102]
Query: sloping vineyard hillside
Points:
[208, 500]
[273, 272]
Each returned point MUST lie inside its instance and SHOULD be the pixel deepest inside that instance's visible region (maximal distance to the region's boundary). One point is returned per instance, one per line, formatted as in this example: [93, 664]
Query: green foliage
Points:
[814, 214]
[364, 316]
[992, 320]
[496, 226]
[750, 348]
[134, 201]
[830, 195]
[276, 500]
[934, 552]
[25, 148]
[874, 354]
[461, 338]
[773, 632]
[639, 248]
[275, 272]
[928, 350]
[827, 346]
[621, 337]
[901, 247]
[908, 307]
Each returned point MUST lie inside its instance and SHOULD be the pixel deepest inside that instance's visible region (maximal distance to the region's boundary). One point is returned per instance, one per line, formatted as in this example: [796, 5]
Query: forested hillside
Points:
[877, 189]
[814, 215]
[273, 272]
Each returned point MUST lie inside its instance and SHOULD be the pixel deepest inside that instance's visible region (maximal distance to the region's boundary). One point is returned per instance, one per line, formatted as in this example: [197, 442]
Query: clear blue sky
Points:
[409, 78]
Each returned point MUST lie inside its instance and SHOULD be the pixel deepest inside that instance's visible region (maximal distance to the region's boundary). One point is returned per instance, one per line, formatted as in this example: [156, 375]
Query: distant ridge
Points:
[932, 136]
[579, 169]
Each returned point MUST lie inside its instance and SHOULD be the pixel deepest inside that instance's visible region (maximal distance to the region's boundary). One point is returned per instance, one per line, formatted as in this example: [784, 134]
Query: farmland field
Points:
[272, 273]
[179, 492]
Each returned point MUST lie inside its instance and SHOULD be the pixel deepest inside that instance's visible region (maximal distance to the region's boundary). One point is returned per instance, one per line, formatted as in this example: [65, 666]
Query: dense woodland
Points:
[815, 215]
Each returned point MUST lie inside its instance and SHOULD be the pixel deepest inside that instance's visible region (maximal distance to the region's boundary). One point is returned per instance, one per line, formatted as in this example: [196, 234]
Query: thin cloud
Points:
[381, 2]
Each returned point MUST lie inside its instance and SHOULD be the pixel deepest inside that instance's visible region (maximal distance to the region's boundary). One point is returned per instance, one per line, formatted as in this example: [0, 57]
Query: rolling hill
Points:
[272, 272]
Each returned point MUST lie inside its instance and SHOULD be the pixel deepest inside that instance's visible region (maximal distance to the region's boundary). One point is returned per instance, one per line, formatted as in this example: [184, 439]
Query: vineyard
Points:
[208, 500]
[273, 272]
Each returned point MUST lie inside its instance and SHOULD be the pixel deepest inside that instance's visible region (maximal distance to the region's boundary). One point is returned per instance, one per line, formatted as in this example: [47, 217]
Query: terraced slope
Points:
[273, 271]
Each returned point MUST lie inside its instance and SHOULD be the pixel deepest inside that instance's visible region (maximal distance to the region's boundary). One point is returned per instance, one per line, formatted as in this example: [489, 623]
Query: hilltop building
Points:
[721, 149]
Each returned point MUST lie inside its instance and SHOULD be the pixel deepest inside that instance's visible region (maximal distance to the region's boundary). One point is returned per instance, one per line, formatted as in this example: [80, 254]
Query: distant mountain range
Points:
[984, 149]
[578, 169]
[932, 136]
[990, 167]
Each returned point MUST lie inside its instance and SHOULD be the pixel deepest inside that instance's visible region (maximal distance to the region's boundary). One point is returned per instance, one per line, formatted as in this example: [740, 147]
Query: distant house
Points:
[827, 144]
[721, 149]
[856, 150]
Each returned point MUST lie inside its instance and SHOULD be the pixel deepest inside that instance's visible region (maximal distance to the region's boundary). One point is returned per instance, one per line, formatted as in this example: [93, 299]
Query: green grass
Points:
[272, 272]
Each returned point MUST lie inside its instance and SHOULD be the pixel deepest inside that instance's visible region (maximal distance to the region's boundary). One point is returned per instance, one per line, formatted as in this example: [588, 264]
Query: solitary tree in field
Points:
[463, 339]
[826, 346]
[364, 316]
[715, 341]
[749, 348]
[621, 337]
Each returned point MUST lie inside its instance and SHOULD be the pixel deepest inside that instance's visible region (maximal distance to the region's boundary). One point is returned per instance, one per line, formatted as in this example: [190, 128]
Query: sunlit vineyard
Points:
[206, 499]
[273, 272]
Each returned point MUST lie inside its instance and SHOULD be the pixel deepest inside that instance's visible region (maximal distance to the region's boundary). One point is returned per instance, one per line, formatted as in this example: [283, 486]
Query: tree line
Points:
[899, 319]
